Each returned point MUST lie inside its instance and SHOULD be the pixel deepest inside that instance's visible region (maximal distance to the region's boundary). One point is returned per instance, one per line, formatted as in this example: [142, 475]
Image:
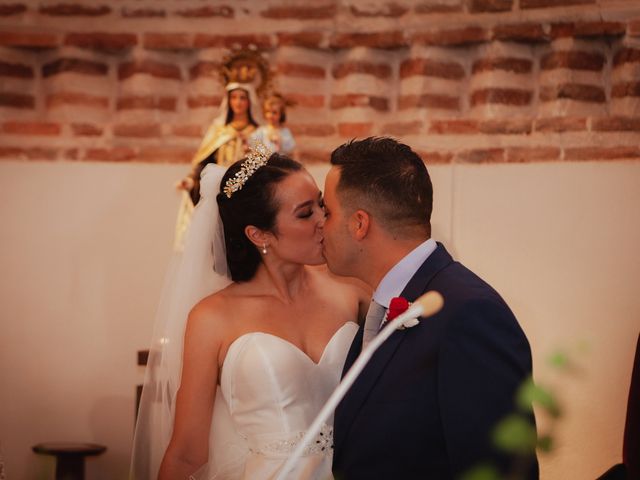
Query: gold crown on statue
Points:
[246, 65]
[241, 73]
[256, 158]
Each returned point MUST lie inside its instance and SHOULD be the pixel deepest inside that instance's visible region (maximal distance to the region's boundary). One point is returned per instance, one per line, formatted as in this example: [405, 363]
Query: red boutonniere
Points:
[398, 306]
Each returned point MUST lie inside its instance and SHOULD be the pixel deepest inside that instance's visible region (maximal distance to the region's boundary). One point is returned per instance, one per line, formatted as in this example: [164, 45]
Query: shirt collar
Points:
[397, 278]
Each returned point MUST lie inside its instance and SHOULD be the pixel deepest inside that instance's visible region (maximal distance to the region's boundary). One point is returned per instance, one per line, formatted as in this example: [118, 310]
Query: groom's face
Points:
[337, 245]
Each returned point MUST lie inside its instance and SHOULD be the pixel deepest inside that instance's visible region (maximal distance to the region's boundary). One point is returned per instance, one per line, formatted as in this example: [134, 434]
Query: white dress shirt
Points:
[396, 280]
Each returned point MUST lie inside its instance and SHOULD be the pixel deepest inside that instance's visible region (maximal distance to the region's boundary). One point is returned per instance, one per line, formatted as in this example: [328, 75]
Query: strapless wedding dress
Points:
[273, 391]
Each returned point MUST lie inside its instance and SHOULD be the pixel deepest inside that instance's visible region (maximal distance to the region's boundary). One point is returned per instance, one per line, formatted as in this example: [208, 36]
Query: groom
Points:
[425, 405]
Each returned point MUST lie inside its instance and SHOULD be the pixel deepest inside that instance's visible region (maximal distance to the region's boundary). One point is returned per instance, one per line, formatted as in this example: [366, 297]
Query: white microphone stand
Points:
[426, 306]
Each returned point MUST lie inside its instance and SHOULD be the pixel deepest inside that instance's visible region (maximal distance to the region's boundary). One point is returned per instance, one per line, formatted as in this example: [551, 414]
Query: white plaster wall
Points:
[560, 242]
[84, 248]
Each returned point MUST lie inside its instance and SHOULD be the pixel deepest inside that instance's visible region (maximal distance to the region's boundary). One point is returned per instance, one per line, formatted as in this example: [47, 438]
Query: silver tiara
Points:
[256, 158]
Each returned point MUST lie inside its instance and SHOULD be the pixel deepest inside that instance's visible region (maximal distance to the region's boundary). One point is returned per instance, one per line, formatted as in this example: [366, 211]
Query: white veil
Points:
[199, 270]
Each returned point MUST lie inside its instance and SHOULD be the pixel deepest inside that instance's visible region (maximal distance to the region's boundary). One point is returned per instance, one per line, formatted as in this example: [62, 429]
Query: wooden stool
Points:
[69, 457]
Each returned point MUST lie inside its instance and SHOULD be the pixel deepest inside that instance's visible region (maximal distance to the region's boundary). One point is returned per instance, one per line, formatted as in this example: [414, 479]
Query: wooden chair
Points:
[143, 358]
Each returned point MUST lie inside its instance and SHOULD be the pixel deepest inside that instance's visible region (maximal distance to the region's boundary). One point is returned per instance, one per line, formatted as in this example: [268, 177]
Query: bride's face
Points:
[299, 221]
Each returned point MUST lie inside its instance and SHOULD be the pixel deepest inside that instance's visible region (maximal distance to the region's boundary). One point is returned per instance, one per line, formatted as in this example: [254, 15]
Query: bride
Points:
[265, 350]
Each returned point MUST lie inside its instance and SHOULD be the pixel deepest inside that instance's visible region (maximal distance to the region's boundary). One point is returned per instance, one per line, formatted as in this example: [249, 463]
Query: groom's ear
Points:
[359, 224]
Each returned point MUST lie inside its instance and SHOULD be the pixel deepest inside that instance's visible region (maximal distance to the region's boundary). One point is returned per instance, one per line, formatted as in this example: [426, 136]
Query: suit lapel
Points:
[348, 409]
[438, 260]
[354, 350]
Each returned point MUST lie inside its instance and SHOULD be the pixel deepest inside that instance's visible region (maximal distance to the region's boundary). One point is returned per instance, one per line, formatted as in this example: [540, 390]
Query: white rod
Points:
[426, 305]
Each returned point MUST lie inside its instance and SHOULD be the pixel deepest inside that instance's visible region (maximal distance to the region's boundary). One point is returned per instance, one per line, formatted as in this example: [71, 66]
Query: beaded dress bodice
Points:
[274, 391]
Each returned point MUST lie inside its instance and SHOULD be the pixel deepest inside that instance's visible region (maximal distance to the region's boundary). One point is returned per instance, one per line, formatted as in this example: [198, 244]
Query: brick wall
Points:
[466, 81]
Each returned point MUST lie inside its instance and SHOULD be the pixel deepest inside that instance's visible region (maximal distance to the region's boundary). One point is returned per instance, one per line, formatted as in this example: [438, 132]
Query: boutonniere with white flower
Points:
[398, 306]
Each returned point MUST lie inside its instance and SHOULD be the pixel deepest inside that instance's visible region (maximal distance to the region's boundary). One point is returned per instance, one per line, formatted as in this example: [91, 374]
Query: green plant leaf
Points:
[545, 443]
[481, 472]
[559, 360]
[515, 434]
[529, 394]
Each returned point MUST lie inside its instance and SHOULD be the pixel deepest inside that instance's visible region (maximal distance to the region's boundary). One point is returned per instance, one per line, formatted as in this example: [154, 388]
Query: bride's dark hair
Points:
[255, 204]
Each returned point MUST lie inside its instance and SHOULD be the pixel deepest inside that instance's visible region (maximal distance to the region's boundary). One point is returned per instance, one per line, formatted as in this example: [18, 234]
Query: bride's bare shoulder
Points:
[214, 312]
[346, 285]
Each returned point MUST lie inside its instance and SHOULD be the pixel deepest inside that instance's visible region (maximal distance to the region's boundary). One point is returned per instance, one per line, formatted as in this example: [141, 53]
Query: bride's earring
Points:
[264, 248]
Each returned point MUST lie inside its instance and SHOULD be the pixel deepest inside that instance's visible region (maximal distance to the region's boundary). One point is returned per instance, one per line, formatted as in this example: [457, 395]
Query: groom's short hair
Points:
[386, 178]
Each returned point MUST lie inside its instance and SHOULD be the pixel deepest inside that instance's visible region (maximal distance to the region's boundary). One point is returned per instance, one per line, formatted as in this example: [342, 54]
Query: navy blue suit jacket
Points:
[427, 401]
